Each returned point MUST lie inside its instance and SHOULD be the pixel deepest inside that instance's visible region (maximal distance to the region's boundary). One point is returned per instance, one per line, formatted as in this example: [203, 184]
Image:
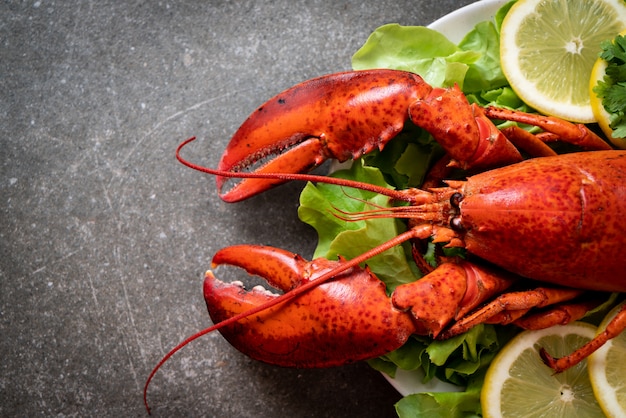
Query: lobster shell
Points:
[564, 228]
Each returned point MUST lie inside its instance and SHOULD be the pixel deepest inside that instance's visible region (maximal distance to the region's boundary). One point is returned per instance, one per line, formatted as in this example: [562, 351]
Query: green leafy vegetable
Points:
[405, 160]
[485, 73]
[612, 89]
[444, 404]
[416, 49]
[474, 64]
[461, 360]
[319, 207]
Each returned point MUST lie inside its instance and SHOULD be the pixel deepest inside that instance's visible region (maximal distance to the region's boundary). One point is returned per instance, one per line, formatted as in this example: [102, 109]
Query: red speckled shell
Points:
[557, 219]
[354, 112]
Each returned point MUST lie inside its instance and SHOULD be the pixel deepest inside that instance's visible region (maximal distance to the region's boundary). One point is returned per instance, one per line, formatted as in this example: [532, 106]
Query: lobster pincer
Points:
[347, 319]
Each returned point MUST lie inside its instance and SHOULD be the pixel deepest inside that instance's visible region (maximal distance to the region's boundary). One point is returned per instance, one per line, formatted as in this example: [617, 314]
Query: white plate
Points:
[454, 26]
[458, 23]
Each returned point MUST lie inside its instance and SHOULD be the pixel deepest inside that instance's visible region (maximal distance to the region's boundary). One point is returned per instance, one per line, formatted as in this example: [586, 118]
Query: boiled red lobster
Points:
[554, 219]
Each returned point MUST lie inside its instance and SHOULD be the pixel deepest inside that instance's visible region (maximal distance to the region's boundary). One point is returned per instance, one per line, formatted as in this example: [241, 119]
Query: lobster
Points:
[554, 219]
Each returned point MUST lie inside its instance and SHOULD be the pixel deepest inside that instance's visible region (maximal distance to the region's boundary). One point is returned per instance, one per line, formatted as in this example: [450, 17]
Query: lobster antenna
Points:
[346, 265]
[394, 194]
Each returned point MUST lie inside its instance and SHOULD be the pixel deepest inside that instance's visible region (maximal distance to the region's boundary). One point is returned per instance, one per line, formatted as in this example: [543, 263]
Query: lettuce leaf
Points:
[485, 73]
[474, 64]
[444, 404]
[416, 49]
[462, 360]
[319, 206]
[406, 160]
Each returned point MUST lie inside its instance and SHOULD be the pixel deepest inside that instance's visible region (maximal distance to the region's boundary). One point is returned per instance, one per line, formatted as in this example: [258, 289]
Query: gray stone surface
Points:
[104, 237]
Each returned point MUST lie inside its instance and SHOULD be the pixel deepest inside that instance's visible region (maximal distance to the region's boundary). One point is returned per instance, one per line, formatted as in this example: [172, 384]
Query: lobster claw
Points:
[346, 319]
[340, 116]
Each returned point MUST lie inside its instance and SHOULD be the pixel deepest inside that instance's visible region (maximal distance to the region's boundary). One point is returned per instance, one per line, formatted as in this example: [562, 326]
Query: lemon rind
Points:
[597, 365]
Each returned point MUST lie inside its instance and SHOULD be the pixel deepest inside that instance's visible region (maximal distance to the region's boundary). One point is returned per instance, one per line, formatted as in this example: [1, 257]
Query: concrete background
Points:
[104, 237]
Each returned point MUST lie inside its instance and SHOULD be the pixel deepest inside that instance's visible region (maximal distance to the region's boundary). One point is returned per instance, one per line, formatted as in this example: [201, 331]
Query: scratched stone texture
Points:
[104, 237]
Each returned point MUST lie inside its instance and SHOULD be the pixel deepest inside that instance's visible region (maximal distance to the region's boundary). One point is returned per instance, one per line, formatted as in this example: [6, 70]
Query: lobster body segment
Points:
[556, 219]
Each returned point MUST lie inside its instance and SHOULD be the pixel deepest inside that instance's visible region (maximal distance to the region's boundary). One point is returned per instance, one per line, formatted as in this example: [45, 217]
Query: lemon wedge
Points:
[548, 48]
[607, 372]
[518, 384]
[602, 116]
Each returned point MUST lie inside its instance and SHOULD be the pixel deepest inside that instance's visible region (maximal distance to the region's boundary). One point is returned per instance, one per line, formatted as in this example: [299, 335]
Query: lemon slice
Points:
[518, 384]
[601, 115]
[607, 372]
[548, 47]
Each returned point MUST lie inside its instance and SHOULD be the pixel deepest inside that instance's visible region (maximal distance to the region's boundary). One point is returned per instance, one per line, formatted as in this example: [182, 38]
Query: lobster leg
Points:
[528, 142]
[577, 134]
[616, 326]
[559, 314]
[515, 301]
